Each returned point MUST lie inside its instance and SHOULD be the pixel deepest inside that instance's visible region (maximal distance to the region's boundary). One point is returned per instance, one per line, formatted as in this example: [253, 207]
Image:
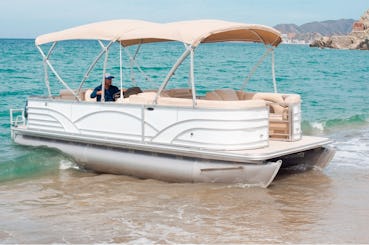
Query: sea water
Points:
[45, 197]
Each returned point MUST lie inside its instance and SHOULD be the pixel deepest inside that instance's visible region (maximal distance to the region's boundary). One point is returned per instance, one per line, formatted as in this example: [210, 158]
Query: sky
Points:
[30, 18]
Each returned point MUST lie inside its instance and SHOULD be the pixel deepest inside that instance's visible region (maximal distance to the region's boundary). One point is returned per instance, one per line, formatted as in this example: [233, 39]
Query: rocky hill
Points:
[324, 28]
[358, 38]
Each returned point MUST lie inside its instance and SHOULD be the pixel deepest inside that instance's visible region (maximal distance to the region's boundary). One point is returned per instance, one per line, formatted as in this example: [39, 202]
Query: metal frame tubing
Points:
[91, 67]
[252, 71]
[133, 61]
[46, 60]
[171, 72]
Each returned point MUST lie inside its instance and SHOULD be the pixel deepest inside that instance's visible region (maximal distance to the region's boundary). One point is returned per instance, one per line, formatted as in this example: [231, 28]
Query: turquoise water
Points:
[46, 199]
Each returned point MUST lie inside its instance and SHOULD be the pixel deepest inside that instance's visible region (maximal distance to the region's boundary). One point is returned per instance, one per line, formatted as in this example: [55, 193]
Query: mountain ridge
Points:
[358, 38]
[324, 28]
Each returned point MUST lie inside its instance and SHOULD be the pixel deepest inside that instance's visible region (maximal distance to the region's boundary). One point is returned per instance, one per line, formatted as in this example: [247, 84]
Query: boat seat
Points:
[169, 101]
[147, 98]
[65, 94]
[141, 98]
[87, 96]
[222, 94]
[278, 102]
[231, 104]
[178, 93]
[131, 91]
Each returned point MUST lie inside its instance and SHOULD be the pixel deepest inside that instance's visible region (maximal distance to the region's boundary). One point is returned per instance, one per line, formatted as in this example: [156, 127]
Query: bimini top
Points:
[105, 30]
[131, 32]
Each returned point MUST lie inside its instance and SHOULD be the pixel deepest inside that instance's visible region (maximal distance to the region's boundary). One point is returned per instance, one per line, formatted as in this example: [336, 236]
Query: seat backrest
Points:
[271, 97]
[227, 94]
[87, 96]
[65, 94]
[213, 96]
[292, 99]
[178, 93]
[141, 98]
[222, 94]
[244, 95]
[131, 91]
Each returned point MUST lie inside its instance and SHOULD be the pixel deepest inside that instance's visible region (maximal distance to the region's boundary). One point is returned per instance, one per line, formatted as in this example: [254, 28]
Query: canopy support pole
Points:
[192, 77]
[87, 74]
[134, 62]
[55, 73]
[273, 74]
[252, 71]
[104, 70]
[47, 81]
[171, 72]
[121, 72]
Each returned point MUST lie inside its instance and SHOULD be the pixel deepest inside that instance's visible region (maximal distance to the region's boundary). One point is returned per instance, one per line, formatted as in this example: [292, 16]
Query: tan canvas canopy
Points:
[105, 30]
[131, 32]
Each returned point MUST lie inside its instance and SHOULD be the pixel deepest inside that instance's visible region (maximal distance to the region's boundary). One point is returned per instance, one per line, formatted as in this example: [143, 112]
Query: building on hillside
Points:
[358, 27]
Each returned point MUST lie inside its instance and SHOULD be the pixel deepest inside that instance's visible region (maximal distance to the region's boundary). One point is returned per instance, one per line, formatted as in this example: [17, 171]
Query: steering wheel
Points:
[116, 95]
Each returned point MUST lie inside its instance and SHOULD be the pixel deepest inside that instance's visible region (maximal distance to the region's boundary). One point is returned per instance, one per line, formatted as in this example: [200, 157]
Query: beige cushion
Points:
[87, 95]
[147, 98]
[214, 104]
[142, 98]
[178, 93]
[222, 94]
[169, 101]
[227, 94]
[272, 97]
[235, 104]
[213, 96]
[276, 108]
[244, 95]
[65, 94]
[292, 99]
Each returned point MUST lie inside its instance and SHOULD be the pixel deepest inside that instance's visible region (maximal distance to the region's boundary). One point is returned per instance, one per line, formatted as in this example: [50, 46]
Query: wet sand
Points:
[72, 206]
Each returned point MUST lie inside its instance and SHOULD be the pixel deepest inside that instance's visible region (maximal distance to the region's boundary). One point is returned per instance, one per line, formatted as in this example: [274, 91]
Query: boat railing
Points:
[17, 117]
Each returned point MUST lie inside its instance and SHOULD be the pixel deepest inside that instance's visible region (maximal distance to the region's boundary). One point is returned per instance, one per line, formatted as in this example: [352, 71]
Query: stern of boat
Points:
[315, 158]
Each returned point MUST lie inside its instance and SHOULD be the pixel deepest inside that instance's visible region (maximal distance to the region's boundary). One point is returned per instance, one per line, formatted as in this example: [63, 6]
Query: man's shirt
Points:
[109, 93]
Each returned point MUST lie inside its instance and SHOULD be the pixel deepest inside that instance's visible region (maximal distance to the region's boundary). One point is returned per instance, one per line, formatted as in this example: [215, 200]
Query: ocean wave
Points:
[37, 161]
[67, 164]
[352, 148]
[331, 125]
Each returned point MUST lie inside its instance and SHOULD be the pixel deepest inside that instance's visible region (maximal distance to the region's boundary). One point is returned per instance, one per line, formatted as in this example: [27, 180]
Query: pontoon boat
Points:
[226, 135]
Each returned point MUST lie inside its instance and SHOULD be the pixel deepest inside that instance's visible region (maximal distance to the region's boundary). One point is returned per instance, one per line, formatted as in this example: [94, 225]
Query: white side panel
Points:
[158, 119]
[221, 129]
[230, 115]
[111, 121]
[209, 128]
[48, 115]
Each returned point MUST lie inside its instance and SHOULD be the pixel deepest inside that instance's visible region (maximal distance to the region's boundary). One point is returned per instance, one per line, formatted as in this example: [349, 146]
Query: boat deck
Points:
[280, 148]
[274, 150]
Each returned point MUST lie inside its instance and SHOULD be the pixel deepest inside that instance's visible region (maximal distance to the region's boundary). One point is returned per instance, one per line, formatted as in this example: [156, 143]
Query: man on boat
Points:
[110, 89]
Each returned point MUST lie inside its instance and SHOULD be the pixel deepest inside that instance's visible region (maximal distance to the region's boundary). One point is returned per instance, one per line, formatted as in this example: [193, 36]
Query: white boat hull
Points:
[166, 167]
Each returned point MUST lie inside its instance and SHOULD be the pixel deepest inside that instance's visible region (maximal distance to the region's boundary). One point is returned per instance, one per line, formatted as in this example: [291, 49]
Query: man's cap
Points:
[108, 76]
